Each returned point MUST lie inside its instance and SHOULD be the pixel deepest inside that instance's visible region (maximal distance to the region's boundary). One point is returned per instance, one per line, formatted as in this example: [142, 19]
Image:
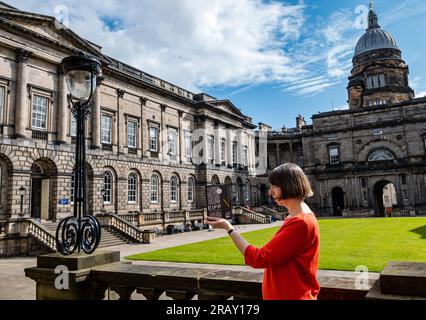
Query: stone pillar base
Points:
[61, 277]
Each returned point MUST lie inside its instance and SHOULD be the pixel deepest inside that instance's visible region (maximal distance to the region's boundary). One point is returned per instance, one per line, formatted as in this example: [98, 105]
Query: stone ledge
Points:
[404, 278]
[78, 261]
[376, 294]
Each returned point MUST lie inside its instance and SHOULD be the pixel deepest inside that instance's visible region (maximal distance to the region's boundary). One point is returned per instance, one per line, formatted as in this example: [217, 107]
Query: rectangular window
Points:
[188, 144]
[210, 148]
[222, 150]
[73, 129]
[153, 139]
[245, 156]
[39, 116]
[2, 102]
[334, 155]
[234, 152]
[172, 141]
[403, 179]
[364, 196]
[131, 134]
[106, 130]
[377, 132]
[382, 80]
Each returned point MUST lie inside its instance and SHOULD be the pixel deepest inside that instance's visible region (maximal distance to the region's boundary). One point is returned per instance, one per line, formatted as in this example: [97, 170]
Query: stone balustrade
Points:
[103, 276]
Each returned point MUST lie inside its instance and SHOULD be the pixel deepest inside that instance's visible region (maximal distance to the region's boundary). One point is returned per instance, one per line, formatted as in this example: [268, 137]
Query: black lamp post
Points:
[81, 231]
[22, 193]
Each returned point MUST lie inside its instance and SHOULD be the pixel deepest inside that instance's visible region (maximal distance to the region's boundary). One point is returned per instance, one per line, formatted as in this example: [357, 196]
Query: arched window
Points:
[173, 189]
[191, 189]
[108, 187]
[132, 187]
[154, 188]
[381, 155]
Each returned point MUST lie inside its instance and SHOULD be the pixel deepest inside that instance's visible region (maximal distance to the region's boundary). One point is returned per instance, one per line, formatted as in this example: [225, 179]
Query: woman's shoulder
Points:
[302, 218]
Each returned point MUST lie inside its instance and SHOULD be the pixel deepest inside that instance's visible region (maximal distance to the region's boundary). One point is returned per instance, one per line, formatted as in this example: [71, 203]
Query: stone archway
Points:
[384, 197]
[338, 197]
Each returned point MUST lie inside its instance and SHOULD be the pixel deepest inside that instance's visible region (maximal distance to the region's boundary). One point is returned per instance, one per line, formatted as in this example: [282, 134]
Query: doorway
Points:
[384, 197]
[338, 197]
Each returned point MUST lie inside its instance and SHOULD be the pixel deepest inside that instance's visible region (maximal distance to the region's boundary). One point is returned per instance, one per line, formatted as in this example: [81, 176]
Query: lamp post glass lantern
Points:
[80, 231]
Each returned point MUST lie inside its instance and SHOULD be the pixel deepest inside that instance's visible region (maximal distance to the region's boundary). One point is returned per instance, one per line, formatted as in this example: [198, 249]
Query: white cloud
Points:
[192, 44]
[222, 43]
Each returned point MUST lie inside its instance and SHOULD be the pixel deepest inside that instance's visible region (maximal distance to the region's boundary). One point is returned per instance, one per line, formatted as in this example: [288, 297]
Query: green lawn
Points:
[345, 244]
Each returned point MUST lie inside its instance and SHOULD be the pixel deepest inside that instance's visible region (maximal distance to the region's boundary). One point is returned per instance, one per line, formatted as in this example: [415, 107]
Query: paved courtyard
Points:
[15, 286]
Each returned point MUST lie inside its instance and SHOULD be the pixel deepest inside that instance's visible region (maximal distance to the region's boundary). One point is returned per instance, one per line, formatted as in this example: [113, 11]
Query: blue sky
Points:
[272, 59]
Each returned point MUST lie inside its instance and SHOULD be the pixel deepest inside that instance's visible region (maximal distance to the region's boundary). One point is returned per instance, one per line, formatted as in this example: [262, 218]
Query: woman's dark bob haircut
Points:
[292, 181]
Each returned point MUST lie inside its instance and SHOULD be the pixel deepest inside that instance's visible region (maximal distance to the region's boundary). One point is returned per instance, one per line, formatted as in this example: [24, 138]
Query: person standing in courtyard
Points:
[290, 258]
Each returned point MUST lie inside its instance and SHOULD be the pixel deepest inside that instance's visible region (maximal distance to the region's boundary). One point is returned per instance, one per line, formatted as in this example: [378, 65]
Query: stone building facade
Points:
[361, 159]
[152, 146]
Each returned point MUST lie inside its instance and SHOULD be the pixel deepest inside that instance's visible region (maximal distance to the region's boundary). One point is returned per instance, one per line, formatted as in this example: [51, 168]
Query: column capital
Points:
[120, 93]
[23, 55]
[143, 101]
[163, 107]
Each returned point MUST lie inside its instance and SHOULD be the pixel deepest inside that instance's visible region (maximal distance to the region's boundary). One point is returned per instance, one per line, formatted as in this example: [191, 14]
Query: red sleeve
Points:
[282, 247]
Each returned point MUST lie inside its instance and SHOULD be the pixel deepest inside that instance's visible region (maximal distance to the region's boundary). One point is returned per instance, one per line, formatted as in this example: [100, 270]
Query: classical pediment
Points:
[227, 106]
[46, 28]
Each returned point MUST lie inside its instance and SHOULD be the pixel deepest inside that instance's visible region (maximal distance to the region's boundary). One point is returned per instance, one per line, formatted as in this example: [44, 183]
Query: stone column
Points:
[21, 110]
[239, 147]
[205, 144]
[64, 114]
[228, 152]
[181, 148]
[96, 118]
[217, 143]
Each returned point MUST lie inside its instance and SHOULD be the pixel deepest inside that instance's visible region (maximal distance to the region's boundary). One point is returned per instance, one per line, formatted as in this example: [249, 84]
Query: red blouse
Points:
[290, 260]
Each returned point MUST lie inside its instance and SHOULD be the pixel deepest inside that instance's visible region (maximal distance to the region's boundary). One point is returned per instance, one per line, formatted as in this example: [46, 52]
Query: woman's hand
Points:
[219, 223]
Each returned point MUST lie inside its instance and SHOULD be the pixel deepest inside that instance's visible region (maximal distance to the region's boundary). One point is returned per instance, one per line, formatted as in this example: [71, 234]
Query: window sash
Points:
[2, 102]
[153, 139]
[39, 114]
[131, 134]
[245, 156]
[190, 190]
[132, 188]
[154, 189]
[173, 190]
[188, 145]
[222, 150]
[210, 153]
[172, 141]
[334, 155]
[234, 152]
[108, 187]
[106, 130]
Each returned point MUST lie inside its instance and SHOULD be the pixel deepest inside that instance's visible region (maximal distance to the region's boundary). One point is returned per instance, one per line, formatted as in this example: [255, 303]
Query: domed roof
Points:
[374, 38]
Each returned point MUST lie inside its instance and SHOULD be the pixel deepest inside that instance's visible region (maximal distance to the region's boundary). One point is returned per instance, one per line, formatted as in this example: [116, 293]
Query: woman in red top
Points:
[290, 258]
